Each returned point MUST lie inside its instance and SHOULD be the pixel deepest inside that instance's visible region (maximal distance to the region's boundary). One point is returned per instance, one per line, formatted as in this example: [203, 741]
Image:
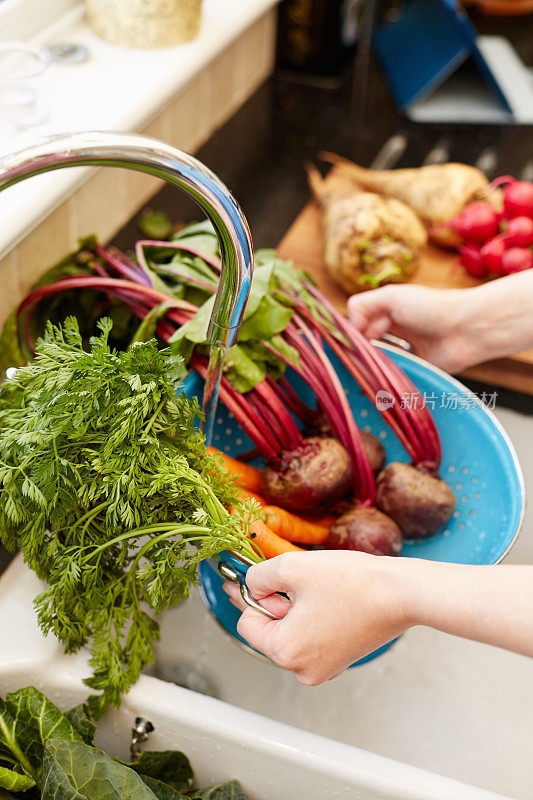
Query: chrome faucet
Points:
[154, 157]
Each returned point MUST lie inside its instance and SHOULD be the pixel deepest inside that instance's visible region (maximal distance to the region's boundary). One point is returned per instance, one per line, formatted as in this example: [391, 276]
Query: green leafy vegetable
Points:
[74, 770]
[106, 486]
[15, 779]
[169, 766]
[200, 235]
[162, 790]
[27, 720]
[42, 755]
[155, 225]
[80, 719]
[230, 790]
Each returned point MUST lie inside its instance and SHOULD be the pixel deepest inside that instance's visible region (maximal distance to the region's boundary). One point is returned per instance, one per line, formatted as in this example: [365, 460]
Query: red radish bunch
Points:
[497, 243]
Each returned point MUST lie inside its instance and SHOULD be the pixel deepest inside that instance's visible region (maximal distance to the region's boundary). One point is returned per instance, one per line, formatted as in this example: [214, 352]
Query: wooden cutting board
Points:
[303, 243]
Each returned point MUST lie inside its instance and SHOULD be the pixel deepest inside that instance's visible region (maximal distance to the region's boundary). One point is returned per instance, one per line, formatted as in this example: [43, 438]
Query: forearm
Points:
[497, 316]
[487, 604]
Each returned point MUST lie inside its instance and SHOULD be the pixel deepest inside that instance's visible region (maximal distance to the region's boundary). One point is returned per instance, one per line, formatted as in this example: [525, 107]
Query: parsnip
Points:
[437, 192]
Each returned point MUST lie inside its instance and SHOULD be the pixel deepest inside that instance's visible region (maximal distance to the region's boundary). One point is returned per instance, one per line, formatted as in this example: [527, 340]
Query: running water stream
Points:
[217, 358]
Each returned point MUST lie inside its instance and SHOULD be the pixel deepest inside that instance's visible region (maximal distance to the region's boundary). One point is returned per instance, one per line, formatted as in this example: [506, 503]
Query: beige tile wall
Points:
[111, 196]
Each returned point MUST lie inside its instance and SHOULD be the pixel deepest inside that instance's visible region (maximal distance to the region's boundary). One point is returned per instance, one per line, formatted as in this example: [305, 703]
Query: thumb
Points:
[370, 312]
[267, 577]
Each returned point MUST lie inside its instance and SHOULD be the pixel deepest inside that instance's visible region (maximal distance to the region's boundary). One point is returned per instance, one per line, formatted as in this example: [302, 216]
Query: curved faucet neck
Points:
[144, 154]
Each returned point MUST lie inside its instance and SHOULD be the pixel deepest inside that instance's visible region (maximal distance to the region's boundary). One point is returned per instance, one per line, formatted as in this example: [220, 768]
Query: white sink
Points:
[272, 760]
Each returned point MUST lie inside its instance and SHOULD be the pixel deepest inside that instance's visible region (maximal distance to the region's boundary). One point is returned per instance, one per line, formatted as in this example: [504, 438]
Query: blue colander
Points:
[478, 461]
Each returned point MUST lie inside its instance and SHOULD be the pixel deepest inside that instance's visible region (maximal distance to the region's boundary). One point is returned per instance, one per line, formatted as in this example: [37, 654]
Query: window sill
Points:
[119, 89]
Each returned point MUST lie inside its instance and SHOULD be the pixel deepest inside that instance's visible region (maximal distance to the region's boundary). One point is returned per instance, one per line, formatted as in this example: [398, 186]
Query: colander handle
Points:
[229, 573]
[397, 341]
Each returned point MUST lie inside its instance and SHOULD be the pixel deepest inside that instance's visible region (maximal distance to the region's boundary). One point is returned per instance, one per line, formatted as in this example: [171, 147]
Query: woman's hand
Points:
[452, 328]
[342, 605]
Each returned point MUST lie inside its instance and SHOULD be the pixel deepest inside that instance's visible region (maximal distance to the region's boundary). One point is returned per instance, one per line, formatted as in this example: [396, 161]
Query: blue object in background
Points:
[478, 461]
[427, 44]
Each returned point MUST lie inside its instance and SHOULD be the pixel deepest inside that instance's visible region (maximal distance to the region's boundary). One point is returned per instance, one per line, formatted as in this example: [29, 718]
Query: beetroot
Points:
[373, 448]
[375, 451]
[419, 503]
[367, 530]
[317, 473]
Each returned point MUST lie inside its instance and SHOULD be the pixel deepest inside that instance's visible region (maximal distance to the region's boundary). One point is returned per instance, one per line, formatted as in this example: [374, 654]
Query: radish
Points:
[518, 199]
[476, 223]
[519, 232]
[492, 254]
[516, 259]
[470, 259]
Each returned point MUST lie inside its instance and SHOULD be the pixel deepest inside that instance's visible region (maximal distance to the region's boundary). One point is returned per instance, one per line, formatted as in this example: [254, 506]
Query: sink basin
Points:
[243, 735]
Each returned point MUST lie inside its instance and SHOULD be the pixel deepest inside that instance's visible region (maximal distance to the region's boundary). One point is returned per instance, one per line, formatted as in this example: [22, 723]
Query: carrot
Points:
[244, 494]
[295, 529]
[249, 477]
[269, 543]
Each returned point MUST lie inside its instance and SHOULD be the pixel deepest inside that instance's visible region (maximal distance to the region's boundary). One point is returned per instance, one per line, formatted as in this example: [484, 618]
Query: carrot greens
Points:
[107, 488]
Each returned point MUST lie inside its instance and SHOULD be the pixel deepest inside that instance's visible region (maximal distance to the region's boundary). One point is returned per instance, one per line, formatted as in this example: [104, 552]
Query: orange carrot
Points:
[269, 543]
[324, 522]
[293, 528]
[249, 477]
[244, 494]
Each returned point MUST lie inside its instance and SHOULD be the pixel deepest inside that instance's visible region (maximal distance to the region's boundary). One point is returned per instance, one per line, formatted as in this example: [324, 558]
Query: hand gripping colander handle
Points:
[229, 573]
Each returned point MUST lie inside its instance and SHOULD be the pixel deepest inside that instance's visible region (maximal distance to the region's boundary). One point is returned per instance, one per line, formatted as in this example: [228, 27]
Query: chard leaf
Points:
[27, 720]
[169, 766]
[196, 329]
[230, 790]
[155, 225]
[76, 771]
[147, 327]
[80, 720]
[188, 269]
[202, 236]
[15, 780]
[270, 319]
[162, 790]
[242, 371]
